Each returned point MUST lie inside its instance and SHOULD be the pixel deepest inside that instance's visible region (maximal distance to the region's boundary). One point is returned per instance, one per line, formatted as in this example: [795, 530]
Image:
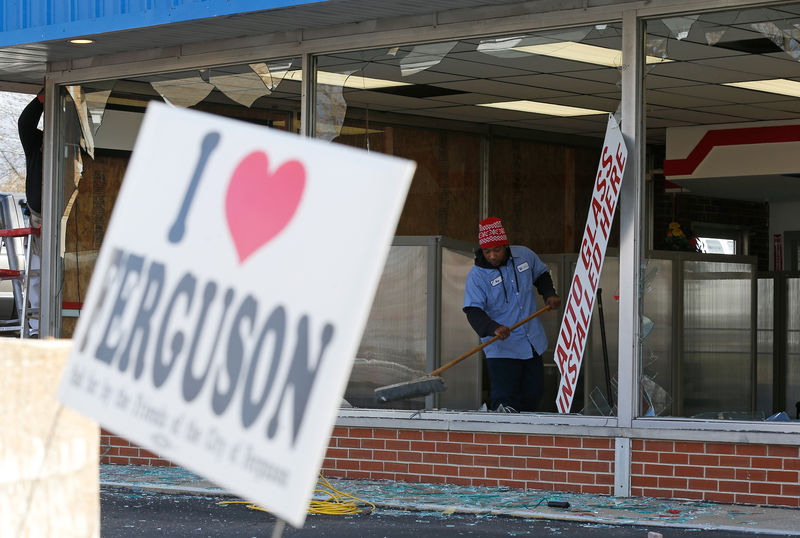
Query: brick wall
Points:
[545, 462]
[119, 451]
[719, 472]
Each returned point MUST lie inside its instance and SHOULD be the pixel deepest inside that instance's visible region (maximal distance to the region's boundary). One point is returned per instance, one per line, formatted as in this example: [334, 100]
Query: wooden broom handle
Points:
[486, 343]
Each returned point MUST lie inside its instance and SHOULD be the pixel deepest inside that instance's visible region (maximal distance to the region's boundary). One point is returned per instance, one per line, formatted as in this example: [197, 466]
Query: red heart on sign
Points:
[259, 204]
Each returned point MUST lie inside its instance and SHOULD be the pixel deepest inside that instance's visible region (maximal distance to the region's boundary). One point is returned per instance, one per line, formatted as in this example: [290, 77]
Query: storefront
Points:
[503, 106]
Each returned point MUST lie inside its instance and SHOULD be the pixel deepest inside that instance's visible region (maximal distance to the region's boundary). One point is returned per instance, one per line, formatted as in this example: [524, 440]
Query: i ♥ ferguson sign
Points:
[229, 299]
[579, 303]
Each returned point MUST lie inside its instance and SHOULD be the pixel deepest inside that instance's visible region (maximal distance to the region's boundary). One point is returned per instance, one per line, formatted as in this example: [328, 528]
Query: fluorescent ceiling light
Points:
[81, 41]
[543, 108]
[580, 52]
[780, 86]
[348, 81]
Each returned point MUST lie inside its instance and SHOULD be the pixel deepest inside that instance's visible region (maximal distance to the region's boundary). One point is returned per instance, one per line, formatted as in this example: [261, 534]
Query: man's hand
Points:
[554, 301]
[502, 332]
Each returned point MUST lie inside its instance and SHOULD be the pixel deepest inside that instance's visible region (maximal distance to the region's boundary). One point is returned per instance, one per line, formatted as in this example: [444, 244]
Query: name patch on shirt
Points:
[523, 267]
[497, 281]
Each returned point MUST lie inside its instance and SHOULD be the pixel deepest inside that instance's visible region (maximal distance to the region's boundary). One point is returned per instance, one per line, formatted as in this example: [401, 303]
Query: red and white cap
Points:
[491, 233]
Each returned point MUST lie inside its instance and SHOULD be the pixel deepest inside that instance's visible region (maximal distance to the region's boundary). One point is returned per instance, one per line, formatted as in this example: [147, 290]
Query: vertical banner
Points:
[777, 246]
[229, 299]
[583, 289]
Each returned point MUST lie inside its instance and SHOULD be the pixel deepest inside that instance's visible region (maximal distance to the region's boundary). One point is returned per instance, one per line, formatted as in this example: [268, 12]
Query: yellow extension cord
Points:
[336, 504]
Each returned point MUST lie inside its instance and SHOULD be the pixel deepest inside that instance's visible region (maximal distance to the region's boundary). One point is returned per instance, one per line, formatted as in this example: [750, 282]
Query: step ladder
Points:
[16, 240]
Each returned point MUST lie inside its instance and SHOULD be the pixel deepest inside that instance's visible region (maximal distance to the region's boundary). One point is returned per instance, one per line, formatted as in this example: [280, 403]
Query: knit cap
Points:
[491, 233]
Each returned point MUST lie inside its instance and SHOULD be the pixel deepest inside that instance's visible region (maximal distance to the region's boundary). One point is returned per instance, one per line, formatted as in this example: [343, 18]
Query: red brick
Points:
[359, 475]
[516, 484]
[142, 461]
[423, 446]
[457, 480]
[649, 457]
[720, 448]
[659, 470]
[567, 465]
[790, 489]
[783, 501]
[553, 476]
[582, 454]
[473, 472]
[348, 464]
[595, 442]
[336, 453]
[449, 447]
[672, 483]
[637, 468]
[484, 483]
[349, 443]
[781, 451]
[382, 476]
[782, 476]
[689, 471]
[692, 448]
[604, 478]
[637, 492]
[373, 443]
[687, 494]
[359, 454]
[576, 488]
[434, 457]
[385, 455]
[500, 450]
[328, 464]
[644, 481]
[513, 439]
[409, 434]
[372, 466]
[767, 463]
[533, 451]
[405, 477]
[409, 456]
[539, 463]
[434, 436]
[673, 458]
[580, 478]
[129, 451]
[605, 455]
[637, 444]
[461, 437]
[704, 460]
[791, 464]
[474, 449]
[398, 445]
[540, 440]
[659, 446]
[555, 452]
[386, 434]
[435, 479]
[746, 498]
[506, 461]
[525, 474]
[446, 470]
[751, 450]
[498, 473]
[720, 472]
[757, 475]
[735, 461]
[420, 468]
[544, 486]
[652, 492]
[596, 489]
[339, 431]
[733, 486]
[395, 467]
[361, 432]
[707, 485]
[488, 438]
[719, 497]
[460, 459]
[570, 442]
[487, 461]
[766, 488]
[595, 466]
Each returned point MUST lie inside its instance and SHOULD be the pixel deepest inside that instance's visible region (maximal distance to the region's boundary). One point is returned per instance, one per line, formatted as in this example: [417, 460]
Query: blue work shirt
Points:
[507, 295]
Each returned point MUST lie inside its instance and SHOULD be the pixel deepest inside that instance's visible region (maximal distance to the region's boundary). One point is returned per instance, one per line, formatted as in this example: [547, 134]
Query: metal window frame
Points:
[306, 44]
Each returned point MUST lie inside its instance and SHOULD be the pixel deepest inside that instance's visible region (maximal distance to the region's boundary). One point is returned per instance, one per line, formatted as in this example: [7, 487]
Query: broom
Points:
[430, 383]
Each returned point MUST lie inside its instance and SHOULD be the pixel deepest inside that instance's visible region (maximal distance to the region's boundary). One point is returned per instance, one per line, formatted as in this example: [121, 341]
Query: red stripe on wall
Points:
[730, 137]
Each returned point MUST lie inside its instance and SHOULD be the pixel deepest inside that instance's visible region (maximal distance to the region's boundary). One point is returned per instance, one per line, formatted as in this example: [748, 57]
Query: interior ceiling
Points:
[705, 52]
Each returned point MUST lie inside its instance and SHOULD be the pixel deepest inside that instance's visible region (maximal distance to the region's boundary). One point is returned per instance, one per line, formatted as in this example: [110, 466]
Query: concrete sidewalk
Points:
[449, 499]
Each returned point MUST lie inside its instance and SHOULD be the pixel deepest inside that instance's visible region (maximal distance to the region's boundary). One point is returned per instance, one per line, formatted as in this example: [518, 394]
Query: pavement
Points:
[501, 501]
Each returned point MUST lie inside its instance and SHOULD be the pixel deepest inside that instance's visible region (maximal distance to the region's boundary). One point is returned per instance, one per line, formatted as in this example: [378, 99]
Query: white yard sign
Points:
[579, 303]
[229, 299]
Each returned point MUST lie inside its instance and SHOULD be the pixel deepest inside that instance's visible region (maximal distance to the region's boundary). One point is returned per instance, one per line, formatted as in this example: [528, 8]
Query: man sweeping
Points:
[499, 293]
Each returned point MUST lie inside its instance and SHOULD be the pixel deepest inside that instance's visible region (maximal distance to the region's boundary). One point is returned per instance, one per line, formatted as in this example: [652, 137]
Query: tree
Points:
[12, 158]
